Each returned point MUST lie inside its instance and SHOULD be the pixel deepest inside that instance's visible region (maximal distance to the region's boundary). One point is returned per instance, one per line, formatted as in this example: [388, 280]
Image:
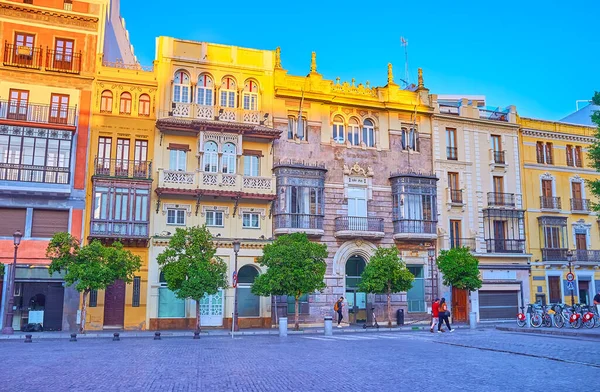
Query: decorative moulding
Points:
[224, 210]
[248, 210]
[186, 207]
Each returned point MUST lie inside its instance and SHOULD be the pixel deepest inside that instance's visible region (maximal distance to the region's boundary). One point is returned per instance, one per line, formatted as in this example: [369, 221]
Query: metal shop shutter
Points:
[498, 304]
[47, 222]
[11, 220]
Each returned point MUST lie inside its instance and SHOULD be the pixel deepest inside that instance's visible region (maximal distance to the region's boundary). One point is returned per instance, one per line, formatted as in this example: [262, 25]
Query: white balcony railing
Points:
[215, 181]
[204, 112]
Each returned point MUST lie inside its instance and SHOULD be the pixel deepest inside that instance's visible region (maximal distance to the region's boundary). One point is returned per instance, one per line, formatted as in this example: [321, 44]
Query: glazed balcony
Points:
[550, 203]
[505, 246]
[34, 173]
[124, 231]
[581, 206]
[415, 229]
[218, 113]
[35, 113]
[22, 56]
[310, 224]
[215, 182]
[502, 199]
[122, 168]
[554, 254]
[358, 227]
[61, 62]
[493, 115]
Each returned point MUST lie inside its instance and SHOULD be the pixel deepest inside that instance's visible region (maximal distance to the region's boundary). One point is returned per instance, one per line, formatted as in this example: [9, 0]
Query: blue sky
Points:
[541, 56]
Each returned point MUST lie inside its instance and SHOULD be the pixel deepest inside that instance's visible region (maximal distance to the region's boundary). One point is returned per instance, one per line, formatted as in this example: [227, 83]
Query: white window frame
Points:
[179, 213]
[293, 128]
[229, 158]
[180, 160]
[251, 165]
[228, 96]
[182, 87]
[211, 218]
[211, 158]
[205, 93]
[368, 133]
[338, 129]
[251, 215]
[354, 136]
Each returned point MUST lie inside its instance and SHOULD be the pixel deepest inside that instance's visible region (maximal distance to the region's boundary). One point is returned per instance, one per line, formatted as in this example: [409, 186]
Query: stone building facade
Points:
[353, 170]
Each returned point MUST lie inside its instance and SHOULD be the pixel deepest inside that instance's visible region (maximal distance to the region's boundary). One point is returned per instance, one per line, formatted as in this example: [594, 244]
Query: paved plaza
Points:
[481, 360]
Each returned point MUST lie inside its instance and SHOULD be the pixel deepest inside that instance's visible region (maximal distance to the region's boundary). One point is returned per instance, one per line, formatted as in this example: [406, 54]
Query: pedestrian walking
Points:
[339, 307]
[435, 314]
[443, 315]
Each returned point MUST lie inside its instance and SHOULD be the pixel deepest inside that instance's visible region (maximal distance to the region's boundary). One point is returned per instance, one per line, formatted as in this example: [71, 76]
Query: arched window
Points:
[144, 109]
[368, 136]
[125, 104]
[228, 93]
[106, 102]
[354, 269]
[248, 303]
[354, 132]
[205, 90]
[338, 129]
[250, 95]
[211, 157]
[228, 163]
[181, 87]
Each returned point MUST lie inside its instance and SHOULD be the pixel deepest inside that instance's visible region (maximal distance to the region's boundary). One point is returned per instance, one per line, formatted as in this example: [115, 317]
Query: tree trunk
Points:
[198, 328]
[296, 324]
[83, 311]
[389, 305]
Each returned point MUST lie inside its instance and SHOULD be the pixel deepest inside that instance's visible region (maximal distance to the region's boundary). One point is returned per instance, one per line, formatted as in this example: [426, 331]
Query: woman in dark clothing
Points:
[444, 316]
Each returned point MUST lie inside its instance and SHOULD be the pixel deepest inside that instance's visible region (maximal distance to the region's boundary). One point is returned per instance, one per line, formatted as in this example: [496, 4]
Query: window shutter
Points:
[47, 222]
[13, 219]
[137, 282]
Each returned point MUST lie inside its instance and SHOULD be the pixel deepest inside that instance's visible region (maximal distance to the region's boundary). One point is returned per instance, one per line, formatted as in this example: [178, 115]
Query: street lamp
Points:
[8, 321]
[431, 253]
[569, 260]
[236, 249]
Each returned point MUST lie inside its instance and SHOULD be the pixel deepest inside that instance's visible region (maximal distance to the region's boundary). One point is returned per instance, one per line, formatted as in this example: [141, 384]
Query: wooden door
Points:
[140, 156]
[555, 294]
[18, 105]
[59, 109]
[114, 304]
[576, 191]
[500, 244]
[459, 305]
[63, 53]
[581, 241]
[104, 151]
[23, 49]
[498, 184]
[496, 143]
[122, 162]
[547, 188]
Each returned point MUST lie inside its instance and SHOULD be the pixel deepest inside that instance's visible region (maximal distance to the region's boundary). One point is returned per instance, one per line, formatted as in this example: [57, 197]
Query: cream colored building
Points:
[476, 158]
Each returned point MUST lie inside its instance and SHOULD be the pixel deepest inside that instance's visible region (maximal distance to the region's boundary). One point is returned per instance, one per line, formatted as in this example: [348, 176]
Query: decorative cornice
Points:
[224, 210]
[557, 136]
[261, 211]
[56, 17]
[186, 207]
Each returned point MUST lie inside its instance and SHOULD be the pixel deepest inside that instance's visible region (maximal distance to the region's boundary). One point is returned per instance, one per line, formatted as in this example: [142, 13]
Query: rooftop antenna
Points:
[404, 43]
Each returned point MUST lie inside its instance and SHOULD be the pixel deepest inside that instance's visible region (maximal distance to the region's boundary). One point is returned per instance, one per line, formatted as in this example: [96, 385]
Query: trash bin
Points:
[400, 317]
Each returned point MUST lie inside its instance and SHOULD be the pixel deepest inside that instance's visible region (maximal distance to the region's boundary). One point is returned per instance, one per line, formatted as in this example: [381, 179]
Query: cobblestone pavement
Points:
[404, 361]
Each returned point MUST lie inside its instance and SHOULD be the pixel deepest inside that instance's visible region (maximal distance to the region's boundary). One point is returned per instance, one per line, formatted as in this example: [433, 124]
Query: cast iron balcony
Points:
[505, 246]
[54, 114]
[550, 203]
[22, 56]
[451, 153]
[499, 157]
[124, 168]
[414, 229]
[587, 255]
[462, 242]
[554, 254]
[580, 205]
[501, 199]
[456, 196]
[34, 173]
[357, 226]
[62, 62]
[310, 224]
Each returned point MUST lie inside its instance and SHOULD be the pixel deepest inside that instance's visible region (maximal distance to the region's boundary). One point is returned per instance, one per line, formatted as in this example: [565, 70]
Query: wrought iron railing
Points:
[456, 196]
[550, 202]
[554, 254]
[499, 157]
[358, 223]
[501, 199]
[64, 62]
[34, 173]
[587, 255]
[38, 113]
[462, 242]
[119, 229]
[505, 246]
[414, 226]
[452, 153]
[122, 168]
[580, 205]
[22, 56]
[298, 221]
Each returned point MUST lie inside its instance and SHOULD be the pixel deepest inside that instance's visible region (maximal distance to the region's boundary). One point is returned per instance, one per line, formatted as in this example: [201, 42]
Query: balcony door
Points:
[496, 143]
[59, 109]
[63, 53]
[18, 105]
[104, 150]
[140, 157]
[500, 236]
[23, 50]
[455, 230]
[357, 209]
[577, 196]
[554, 289]
[122, 161]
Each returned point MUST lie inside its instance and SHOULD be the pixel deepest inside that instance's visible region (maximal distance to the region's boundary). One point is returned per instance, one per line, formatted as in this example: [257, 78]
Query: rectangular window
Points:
[570, 155]
[137, 285]
[47, 222]
[177, 160]
[93, 298]
[455, 192]
[415, 296]
[552, 237]
[578, 157]
[580, 241]
[141, 151]
[18, 105]
[11, 220]
[63, 53]
[496, 143]
[59, 109]
[498, 184]
[122, 162]
[24, 39]
[302, 305]
[547, 188]
[549, 154]
[251, 220]
[451, 150]
[455, 234]
[175, 216]
[539, 152]
[214, 218]
[297, 130]
[23, 50]
[251, 165]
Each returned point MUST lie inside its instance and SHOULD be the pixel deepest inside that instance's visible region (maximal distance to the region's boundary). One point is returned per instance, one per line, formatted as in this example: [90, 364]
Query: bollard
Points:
[528, 318]
[196, 334]
[552, 320]
[473, 320]
[283, 326]
[328, 326]
[156, 335]
[116, 337]
[73, 337]
[28, 339]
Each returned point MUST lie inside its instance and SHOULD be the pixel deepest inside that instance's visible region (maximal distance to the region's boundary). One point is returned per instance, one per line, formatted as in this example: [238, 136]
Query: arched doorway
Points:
[357, 301]
[248, 303]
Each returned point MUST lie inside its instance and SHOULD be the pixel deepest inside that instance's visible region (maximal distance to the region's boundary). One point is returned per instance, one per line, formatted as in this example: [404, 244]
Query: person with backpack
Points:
[339, 307]
[443, 316]
[435, 314]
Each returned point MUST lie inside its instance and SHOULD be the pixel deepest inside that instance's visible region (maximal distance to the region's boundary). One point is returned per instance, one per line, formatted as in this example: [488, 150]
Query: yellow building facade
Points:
[212, 165]
[560, 223]
[119, 184]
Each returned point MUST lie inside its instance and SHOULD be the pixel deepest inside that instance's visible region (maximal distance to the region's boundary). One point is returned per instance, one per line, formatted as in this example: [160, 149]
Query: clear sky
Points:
[541, 56]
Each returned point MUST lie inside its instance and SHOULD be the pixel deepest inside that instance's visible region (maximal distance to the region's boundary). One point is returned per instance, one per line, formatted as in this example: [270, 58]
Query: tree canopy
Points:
[459, 268]
[594, 151]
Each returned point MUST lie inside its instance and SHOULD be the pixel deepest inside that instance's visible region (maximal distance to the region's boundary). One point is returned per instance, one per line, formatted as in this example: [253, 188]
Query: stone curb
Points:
[551, 332]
